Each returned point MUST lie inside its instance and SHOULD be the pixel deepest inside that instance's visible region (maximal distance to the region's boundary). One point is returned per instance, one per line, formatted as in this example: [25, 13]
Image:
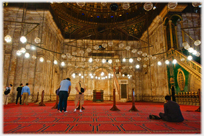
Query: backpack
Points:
[7, 91]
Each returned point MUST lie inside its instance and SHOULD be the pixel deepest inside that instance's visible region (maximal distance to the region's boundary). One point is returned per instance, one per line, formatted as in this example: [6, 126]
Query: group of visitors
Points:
[172, 112]
[22, 92]
[64, 90]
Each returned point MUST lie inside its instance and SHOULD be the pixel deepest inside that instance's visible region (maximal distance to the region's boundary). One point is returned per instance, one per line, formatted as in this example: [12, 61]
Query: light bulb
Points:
[182, 59]
[80, 4]
[63, 56]
[8, 38]
[148, 6]
[82, 76]
[138, 59]
[124, 60]
[102, 73]
[123, 75]
[18, 53]
[137, 66]
[167, 62]
[121, 45]
[109, 61]
[27, 55]
[194, 52]
[103, 61]
[174, 61]
[172, 5]
[190, 57]
[23, 39]
[130, 60]
[190, 50]
[33, 47]
[55, 62]
[62, 64]
[159, 63]
[90, 60]
[79, 74]
[88, 49]
[104, 45]
[41, 59]
[134, 50]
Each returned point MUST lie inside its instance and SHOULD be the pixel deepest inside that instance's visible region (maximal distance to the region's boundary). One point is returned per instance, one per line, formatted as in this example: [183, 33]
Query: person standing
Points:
[19, 89]
[172, 112]
[80, 88]
[65, 89]
[25, 93]
[6, 94]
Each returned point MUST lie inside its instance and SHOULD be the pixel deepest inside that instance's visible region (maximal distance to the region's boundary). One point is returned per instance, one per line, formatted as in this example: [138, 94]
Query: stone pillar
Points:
[171, 37]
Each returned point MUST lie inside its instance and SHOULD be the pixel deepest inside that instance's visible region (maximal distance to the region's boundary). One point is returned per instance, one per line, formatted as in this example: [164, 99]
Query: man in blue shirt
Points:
[65, 89]
[25, 93]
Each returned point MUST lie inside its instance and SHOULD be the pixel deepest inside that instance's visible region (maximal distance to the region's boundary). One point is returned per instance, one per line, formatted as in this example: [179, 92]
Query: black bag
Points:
[82, 90]
[7, 91]
[154, 117]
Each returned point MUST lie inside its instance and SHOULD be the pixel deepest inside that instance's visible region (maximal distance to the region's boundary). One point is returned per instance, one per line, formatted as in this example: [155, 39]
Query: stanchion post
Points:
[114, 108]
[133, 101]
[42, 97]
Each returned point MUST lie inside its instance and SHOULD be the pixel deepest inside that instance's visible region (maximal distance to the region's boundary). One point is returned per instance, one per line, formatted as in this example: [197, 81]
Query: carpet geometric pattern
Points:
[97, 118]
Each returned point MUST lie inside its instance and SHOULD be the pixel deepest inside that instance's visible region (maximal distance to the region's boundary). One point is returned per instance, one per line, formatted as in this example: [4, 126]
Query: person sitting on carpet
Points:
[172, 112]
[80, 88]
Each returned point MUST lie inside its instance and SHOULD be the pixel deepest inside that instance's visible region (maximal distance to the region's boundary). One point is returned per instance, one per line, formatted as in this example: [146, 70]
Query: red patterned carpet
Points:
[96, 119]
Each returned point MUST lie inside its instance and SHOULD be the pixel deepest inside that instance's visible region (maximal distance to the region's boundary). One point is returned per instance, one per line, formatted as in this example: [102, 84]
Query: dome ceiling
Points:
[103, 20]
[98, 20]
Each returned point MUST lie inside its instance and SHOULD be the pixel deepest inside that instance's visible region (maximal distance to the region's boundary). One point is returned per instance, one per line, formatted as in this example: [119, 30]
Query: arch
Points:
[176, 15]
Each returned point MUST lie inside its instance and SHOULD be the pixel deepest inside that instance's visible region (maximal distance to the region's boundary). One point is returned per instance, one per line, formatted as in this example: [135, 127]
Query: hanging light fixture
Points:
[130, 60]
[63, 56]
[167, 62]
[104, 45]
[148, 6]
[8, 38]
[190, 50]
[110, 61]
[121, 45]
[18, 53]
[194, 52]
[110, 43]
[27, 46]
[196, 4]
[90, 60]
[197, 42]
[37, 40]
[174, 61]
[103, 61]
[189, 57]
[79, 74]
[172, 5]
[134, 50]
[102, 73]
[138, 59]
[81, 4]
[197, 54]
[62, 64]
[125, 6]
[33, 47]
[159, 63]
[154, 57]
[103, 3]
[55, 62]
[88, 49]
[144, 65]
[182, 59]
[123, 75]
[23, 50]
[34, 57]
[137, 66]
[23, 39]
[27, 55]
[139, 52]
[127, 48]
[41, 59]
[124, 60]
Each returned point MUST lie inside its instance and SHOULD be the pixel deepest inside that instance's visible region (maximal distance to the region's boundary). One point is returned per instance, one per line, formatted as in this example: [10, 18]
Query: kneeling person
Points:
[172, 112]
